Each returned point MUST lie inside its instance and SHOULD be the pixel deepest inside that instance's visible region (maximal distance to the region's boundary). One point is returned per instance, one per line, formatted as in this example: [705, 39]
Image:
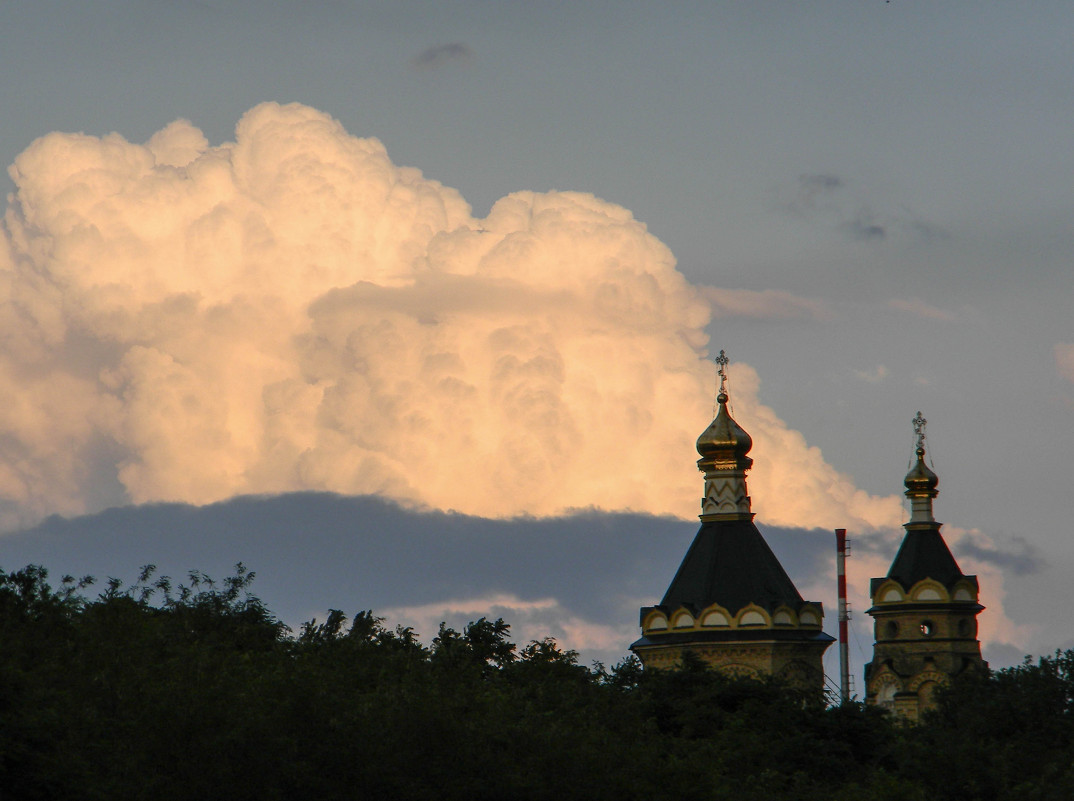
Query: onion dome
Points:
[725, 440]
[921, 480]
[723, 447]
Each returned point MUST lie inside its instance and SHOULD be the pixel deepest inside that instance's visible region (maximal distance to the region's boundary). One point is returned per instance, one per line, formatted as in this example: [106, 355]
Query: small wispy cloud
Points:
[820, 182]
[919, 308]
[766, 304]
[863, 227]
[828, 199]
[926, 231]
[1064, 359]
[441, 55]
[811, 194]
[873, 376]
[529, 619]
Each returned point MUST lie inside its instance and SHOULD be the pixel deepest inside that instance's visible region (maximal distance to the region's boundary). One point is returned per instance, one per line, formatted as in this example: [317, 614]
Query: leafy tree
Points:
[1007, 734]
[163, 691]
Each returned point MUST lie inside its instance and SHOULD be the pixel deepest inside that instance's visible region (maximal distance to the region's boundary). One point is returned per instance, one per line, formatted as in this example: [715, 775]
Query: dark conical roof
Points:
[730, 564]
[924, 554]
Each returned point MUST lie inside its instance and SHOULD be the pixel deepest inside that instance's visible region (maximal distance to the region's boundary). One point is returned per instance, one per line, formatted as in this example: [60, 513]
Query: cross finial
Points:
[919, 430]
[722, 361]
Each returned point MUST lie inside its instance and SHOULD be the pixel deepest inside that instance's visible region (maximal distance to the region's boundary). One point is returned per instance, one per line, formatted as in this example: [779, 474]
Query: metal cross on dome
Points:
[723, 361]
[919, 429]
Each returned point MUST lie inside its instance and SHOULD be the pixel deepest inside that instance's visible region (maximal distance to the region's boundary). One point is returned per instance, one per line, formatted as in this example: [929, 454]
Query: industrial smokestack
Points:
[844, 614]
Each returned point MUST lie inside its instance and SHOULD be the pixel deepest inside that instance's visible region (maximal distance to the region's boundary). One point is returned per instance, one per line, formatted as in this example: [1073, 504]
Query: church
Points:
[924, 610]
[732, 604]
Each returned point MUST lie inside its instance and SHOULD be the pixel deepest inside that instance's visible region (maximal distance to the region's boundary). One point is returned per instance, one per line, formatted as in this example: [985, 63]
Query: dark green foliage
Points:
[196, 691]
[1008, 734]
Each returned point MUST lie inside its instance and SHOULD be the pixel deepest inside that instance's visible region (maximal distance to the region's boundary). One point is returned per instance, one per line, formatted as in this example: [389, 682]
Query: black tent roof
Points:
[730, 564]
[924, 554]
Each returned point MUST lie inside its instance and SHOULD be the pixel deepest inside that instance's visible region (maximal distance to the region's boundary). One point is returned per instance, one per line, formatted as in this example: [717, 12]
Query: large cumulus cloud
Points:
[293, 311]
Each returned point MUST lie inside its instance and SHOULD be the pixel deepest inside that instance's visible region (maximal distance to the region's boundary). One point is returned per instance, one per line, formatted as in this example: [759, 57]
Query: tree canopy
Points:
[195, 690]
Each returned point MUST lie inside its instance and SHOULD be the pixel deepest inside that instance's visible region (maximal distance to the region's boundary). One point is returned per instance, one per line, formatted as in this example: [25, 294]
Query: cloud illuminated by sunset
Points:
[292, 310]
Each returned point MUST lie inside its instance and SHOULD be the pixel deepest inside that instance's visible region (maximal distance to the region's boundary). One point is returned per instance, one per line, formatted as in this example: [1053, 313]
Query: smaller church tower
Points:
[731, 603]
[925, 609]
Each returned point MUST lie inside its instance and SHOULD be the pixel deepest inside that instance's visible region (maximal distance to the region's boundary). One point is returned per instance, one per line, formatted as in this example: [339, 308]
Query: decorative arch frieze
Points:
[682, 619]
[810, 615]
[883, 688]
[655, 621]
[890, 592]
[784, 616]
[797, 672]
[964, 591]
[715, 616]
[929, 590]
[930, 675]
[753, 616]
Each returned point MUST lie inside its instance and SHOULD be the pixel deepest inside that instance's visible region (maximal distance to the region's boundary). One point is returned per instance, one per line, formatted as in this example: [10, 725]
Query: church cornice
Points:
[662, 620]
[758, 637]
[889, 590]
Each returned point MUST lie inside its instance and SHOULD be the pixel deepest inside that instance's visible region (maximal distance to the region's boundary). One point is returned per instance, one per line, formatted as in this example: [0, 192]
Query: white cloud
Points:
[529, 620]
[874, 376]
[767, 304]
[1064, 359]
[919, 308]
[293, 311]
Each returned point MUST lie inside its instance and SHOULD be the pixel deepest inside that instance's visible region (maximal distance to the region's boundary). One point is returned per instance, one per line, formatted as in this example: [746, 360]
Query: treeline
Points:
[162, 692]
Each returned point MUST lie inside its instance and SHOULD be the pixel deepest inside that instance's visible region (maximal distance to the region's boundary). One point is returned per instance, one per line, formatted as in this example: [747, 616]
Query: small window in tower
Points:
[927, 629]
[965, 628]
[891, 630]
[885, 697]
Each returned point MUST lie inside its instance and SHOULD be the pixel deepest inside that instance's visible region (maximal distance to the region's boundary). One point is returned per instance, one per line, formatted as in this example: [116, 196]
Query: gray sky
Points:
[899, 172]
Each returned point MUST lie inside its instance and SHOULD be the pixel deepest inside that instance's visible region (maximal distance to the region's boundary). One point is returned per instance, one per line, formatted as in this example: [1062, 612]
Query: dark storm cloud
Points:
[1021, 560]
[438, 56]
[314, 551]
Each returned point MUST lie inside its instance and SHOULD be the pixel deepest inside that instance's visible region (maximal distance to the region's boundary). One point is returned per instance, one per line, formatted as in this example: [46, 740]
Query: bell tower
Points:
[731, 603]
[925, 609]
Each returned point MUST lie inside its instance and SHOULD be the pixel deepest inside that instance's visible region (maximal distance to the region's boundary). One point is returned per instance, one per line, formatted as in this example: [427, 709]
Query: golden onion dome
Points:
[921, 480]
[724, 437]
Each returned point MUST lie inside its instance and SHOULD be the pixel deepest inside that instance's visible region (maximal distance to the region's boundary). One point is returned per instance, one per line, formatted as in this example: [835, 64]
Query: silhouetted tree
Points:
[165, 691]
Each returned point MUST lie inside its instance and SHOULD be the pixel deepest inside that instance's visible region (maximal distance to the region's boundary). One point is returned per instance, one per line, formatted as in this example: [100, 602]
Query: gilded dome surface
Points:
[723, 434]
[921, 478]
